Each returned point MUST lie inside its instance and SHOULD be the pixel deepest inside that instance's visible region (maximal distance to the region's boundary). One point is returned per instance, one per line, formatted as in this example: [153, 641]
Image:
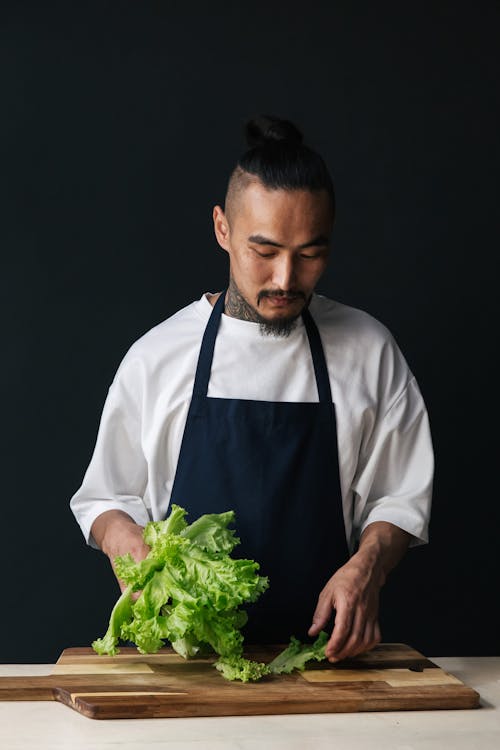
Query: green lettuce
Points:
[238, 668]
[121, 613]
[191, 589]
[191, 594]
[297, 654]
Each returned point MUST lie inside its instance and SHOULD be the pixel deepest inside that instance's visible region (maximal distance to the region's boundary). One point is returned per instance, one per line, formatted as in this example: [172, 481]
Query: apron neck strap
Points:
[206, 355]
[318, 358]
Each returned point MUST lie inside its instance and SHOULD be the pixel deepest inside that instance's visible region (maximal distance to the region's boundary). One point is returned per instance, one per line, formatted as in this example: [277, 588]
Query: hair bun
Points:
[265, 129]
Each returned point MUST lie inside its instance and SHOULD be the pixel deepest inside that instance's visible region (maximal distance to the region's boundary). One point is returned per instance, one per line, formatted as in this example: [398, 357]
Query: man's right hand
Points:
[116, 533]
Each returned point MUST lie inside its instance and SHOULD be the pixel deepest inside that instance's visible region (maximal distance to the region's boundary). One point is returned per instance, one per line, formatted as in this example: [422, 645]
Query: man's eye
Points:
[263, 255]
[311, 256]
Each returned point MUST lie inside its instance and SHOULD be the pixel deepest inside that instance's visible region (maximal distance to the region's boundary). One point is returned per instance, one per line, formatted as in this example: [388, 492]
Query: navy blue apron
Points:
[276, 465]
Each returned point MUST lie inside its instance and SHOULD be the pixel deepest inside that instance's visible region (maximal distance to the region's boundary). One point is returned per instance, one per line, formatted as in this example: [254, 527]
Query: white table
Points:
[48, 725]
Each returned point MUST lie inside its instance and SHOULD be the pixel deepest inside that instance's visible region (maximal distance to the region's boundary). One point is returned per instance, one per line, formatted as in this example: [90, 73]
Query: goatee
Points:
[279, 327]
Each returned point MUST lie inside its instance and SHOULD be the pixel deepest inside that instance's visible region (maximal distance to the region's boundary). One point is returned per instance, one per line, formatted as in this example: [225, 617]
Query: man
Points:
[298, 412]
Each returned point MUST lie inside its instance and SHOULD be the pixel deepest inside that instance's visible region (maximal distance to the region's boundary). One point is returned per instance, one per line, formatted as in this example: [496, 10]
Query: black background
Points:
[120, 123]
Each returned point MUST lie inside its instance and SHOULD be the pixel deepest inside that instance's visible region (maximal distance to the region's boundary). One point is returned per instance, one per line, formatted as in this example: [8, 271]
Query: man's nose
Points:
[284, 272]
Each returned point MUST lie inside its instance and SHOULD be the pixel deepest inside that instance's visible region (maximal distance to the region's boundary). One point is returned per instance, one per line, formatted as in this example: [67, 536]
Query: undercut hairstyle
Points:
[279, 159]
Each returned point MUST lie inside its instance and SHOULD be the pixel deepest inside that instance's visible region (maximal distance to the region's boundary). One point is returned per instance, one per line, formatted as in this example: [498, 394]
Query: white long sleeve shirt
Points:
[384, 443]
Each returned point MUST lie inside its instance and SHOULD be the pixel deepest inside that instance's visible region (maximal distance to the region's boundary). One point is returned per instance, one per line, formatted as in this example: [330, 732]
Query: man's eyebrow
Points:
[259, 239]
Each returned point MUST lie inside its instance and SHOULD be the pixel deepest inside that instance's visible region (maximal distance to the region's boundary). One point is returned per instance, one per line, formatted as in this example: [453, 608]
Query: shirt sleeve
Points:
[116, 477]
[395, 469]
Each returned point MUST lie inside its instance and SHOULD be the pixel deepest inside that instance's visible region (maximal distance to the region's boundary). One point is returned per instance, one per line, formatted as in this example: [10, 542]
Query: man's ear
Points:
[221, 228]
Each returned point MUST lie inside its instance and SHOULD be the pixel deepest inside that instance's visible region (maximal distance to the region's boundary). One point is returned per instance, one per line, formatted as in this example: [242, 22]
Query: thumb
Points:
[321, 615]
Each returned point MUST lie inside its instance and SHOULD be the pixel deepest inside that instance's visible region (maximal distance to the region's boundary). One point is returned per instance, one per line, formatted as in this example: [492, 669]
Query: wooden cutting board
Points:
[391, 677]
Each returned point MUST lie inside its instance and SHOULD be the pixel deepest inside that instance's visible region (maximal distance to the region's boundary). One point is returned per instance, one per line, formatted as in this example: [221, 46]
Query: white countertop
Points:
[48, 725]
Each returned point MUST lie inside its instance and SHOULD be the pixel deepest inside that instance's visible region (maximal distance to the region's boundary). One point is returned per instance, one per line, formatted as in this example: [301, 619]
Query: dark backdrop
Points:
[119, 125]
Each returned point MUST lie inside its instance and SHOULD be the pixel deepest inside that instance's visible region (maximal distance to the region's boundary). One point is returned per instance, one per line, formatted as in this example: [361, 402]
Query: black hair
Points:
[279, 158]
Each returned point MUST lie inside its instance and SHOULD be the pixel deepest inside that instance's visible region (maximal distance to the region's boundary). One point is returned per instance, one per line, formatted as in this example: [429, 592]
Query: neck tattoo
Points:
[237, 306]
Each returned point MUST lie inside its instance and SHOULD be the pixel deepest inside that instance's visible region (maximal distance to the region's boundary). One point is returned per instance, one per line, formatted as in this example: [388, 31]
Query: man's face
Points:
[278, 244]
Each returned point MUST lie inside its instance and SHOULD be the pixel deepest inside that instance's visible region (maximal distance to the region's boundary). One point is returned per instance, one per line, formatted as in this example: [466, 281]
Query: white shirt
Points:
[385, 451]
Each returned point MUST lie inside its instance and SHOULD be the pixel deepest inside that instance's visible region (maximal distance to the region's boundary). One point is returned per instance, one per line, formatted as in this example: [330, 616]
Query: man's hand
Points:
[354, 594]
[353, 591]
[116, 533]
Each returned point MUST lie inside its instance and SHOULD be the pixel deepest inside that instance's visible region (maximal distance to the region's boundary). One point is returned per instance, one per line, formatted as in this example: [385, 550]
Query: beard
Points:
[278, 326]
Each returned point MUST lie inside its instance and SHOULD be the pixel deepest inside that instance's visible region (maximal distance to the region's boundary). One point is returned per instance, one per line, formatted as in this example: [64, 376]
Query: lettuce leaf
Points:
[121, 613]
[297, 654]
[238, 668]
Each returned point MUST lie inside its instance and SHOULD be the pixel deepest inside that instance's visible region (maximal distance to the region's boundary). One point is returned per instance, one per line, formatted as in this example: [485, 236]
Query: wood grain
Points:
[132, 685]
[118, 667]
[393, 677]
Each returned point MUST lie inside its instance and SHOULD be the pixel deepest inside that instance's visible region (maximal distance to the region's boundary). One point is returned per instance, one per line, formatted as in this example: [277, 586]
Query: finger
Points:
[141, 553]
[364, 636]
[321, 614]
[344, 639]
[341, 630]
[372, 634]
[368, 640]
[377, 635]
[371, 638]
[360, 641]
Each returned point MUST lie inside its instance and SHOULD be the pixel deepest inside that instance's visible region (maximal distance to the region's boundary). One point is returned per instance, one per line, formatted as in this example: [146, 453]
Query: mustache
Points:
[279, 293]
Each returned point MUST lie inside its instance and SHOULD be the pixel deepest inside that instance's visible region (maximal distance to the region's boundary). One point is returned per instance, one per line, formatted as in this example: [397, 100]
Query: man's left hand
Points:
[354, 590]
